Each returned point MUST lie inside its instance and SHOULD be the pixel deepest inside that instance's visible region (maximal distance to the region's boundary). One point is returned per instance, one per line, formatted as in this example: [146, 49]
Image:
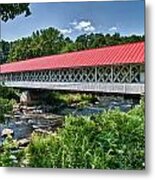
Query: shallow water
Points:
[123, 105]
[24, 128]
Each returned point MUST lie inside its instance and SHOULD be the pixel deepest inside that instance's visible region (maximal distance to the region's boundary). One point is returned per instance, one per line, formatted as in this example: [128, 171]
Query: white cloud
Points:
[74, 23]
[113, 28]
[65, 31]
[89, 29]
[85, 26]
[82, 25]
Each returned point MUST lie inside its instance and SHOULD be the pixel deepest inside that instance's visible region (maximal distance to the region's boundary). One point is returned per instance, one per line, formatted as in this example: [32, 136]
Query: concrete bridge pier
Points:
[25, 97]
[29, 97]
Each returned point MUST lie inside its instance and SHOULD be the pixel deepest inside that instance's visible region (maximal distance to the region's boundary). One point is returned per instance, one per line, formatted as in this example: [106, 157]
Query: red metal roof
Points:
[130, 53]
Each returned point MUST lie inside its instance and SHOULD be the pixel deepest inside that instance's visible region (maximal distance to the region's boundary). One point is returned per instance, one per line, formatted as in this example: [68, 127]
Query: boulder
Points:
[42, 131]
[23, 142]
[36, 111]
[18, 122]
[17, 116]
[31, 108]
[40, 124]
[30, 121]
[17, 112]
[7, 116]
[96, 102]
[6, 132]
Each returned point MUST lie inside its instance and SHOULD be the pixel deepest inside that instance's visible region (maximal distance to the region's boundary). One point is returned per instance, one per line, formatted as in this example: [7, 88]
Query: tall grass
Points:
[111, 140]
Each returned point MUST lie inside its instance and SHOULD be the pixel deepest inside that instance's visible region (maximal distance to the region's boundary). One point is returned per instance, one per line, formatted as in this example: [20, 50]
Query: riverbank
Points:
[62, 122]
[109, 140]
[24, 120]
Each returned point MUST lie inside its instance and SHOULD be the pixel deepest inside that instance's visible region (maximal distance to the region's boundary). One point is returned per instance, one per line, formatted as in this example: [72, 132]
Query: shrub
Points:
[68, 98]
[111, 140]
[8, 97]
[8, 158]
[9, 93]
[5, 107]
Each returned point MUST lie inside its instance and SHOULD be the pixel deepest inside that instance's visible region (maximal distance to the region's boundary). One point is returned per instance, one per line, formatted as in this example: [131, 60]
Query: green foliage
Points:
[8, 158]
[69, 47]
[90, 41]
[5, 107]
[10, 11]
[8, 97]
[41, 43]
[8, 93]
[98, 40]
[4, 51]
[111, 140]
[50, 41]
[68, 98]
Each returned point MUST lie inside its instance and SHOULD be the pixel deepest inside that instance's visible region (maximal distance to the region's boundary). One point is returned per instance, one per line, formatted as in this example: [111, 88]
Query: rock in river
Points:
[6, 132]
[23, 142]
[42, 131]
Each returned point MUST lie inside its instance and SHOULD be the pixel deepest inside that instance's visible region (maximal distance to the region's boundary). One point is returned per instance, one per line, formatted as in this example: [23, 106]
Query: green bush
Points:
[8, 158]
[9, 93]
[111, 140]
[69, 98]
[8, 97]
[5, 107]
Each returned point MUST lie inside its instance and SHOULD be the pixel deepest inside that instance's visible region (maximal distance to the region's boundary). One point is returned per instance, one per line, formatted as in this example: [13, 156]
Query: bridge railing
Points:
[103, 74]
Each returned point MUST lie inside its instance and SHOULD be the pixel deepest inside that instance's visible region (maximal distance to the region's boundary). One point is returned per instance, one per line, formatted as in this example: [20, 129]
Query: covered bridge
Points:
[112, 69]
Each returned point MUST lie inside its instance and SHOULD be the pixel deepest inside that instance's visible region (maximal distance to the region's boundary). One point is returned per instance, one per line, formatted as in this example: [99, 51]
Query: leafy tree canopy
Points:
[10, 11]
[51, 41]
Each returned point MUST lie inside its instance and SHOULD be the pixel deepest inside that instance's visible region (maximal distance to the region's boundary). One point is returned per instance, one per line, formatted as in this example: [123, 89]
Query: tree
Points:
[4, 51]
[10, 11]
[41, 43]
[51, 41]
[96, 40]
[69, 46]
[81, 42]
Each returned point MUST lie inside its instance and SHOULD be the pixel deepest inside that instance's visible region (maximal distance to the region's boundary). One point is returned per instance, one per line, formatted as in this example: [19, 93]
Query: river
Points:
[47, 118]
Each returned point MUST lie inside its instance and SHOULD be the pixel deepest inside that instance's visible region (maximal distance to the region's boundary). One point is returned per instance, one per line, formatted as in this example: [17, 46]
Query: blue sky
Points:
[75, 18]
